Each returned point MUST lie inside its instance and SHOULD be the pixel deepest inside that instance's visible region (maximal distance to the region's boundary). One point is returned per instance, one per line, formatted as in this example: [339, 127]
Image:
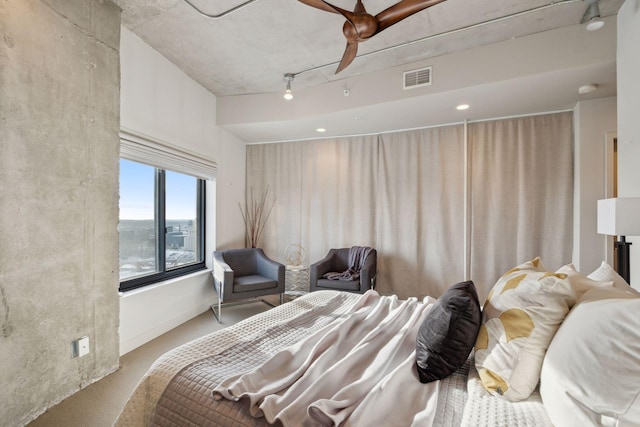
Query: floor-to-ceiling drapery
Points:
[437, 206]
[521, 194]
[325, 193]
[420, 211]
[276, 169]
[339, 184]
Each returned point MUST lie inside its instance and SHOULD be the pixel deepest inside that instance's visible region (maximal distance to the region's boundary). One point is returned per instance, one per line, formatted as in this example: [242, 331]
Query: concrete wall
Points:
[59, 122]
[161, 101]
[628, 115]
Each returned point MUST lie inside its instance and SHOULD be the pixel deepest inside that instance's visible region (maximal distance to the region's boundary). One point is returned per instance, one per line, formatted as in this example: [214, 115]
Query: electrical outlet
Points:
[81, 347]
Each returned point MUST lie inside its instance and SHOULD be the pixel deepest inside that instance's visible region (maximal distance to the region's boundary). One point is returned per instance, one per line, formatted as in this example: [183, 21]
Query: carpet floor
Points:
[100, 403]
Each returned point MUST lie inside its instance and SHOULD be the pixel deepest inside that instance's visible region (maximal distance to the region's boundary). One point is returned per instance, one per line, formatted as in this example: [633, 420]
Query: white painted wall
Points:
[592, 121]
[628, 61]
[160, 100]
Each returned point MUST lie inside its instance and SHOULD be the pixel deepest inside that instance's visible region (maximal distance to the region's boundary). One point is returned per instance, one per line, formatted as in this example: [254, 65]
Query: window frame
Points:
[161, 232]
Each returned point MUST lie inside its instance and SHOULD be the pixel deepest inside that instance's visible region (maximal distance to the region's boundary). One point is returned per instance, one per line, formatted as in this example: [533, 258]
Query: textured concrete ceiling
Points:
[249, 51]
[243, 56]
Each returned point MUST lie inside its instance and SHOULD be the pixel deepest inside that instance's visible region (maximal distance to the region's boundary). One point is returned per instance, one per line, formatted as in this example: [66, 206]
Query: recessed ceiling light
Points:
[320, 130]
[587, 88]
[595, 25]
[462, 107]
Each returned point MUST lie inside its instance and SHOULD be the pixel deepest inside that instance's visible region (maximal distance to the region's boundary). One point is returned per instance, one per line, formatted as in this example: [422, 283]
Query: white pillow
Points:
[580, 282]
[520, 316]
[591, 372]
[606, 273]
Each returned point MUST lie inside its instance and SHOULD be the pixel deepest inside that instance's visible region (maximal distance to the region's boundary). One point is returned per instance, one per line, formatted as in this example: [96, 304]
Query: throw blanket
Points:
[357, 257]
[352, 372]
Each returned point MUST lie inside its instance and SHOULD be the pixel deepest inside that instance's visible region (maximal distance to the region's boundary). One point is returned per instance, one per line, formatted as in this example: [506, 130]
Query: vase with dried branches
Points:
[255, 215]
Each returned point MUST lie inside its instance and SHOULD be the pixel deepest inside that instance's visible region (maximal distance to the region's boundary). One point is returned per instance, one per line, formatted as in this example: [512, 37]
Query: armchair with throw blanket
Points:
[349, 269]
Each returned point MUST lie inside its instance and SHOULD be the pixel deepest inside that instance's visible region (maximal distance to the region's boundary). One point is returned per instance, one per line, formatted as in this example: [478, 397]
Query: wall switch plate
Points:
[81, 347]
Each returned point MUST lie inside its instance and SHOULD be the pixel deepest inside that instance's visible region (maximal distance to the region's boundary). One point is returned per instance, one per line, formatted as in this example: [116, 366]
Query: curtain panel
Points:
[276, 170]
[521, 194]
[339, 184]
[325, 193]
[439, 209]
[420, 211]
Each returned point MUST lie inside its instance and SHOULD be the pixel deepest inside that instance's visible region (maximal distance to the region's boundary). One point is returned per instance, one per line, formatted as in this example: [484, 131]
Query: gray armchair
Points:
[337, 260]
[245, 273]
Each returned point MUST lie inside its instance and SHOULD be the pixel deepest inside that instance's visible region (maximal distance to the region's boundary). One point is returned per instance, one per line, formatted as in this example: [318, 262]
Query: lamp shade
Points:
[619, 216]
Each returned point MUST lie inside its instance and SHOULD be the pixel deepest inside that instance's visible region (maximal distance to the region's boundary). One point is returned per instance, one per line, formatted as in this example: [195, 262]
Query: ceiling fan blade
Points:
[359, 7]
[401, 10]
[348, 56]
[323, 5]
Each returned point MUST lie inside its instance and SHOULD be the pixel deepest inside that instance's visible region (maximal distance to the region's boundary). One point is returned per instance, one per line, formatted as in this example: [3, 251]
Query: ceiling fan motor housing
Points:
[361, 28]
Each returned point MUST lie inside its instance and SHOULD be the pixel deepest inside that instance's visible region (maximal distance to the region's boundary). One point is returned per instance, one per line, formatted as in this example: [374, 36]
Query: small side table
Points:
[296, 281]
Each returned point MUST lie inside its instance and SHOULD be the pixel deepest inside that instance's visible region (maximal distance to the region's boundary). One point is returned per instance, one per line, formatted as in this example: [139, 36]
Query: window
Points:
[161, 224]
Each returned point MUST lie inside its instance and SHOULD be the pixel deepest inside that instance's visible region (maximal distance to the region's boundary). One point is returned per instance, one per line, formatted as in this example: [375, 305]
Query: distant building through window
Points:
[161, 224]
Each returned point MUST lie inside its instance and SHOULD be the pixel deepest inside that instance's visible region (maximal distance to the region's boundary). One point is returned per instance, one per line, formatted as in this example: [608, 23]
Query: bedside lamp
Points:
[620, 217]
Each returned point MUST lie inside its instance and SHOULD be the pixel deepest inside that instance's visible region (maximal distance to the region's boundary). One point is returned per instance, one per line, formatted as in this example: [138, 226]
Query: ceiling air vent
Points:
[417, 78]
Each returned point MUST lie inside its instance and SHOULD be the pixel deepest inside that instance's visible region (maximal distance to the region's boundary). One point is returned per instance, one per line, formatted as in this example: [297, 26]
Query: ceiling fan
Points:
[361, 26]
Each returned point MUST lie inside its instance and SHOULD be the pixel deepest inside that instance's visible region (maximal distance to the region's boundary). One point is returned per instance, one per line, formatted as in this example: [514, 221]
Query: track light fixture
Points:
[288, 95]
[591, 16]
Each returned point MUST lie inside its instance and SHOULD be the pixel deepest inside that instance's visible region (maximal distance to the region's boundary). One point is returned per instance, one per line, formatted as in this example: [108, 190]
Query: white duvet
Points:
[355, 371]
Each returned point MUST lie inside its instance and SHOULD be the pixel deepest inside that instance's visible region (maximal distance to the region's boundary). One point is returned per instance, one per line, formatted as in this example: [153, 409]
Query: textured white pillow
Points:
[520, 316]
[591, 372]
[580, 282]
[605, 273]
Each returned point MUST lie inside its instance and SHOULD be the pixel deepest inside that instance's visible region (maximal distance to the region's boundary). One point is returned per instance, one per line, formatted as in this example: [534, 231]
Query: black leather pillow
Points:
[448, 332]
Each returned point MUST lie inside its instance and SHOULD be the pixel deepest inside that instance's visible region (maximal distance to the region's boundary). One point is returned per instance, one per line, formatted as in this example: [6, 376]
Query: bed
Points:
[336, 358]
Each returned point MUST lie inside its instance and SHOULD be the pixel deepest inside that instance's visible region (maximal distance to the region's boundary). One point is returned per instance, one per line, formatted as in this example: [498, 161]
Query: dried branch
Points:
[255, 216]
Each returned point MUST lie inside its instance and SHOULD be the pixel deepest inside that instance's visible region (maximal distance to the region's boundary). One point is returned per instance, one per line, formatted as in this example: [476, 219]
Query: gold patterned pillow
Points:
[520, 316]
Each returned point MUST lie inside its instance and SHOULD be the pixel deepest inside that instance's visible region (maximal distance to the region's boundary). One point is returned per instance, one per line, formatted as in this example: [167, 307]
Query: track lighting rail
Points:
[223, 14]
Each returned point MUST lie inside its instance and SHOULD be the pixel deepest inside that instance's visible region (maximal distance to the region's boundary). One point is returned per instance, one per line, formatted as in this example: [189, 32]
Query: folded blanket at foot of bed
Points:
[350, 372]
[327, 358]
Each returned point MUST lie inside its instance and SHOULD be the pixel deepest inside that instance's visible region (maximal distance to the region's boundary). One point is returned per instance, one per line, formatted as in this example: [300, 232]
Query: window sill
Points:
[168, 282]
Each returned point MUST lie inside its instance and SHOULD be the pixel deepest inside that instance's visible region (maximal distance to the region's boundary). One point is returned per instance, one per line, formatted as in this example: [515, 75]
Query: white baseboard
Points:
[149, 312]
[175, 321]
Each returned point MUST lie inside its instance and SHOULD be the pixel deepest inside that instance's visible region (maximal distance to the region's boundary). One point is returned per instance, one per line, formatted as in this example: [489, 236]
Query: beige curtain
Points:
[404, 194]
[421, 211]
[521, 198]
[339, 182]
[325, 193]
[276, 169]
